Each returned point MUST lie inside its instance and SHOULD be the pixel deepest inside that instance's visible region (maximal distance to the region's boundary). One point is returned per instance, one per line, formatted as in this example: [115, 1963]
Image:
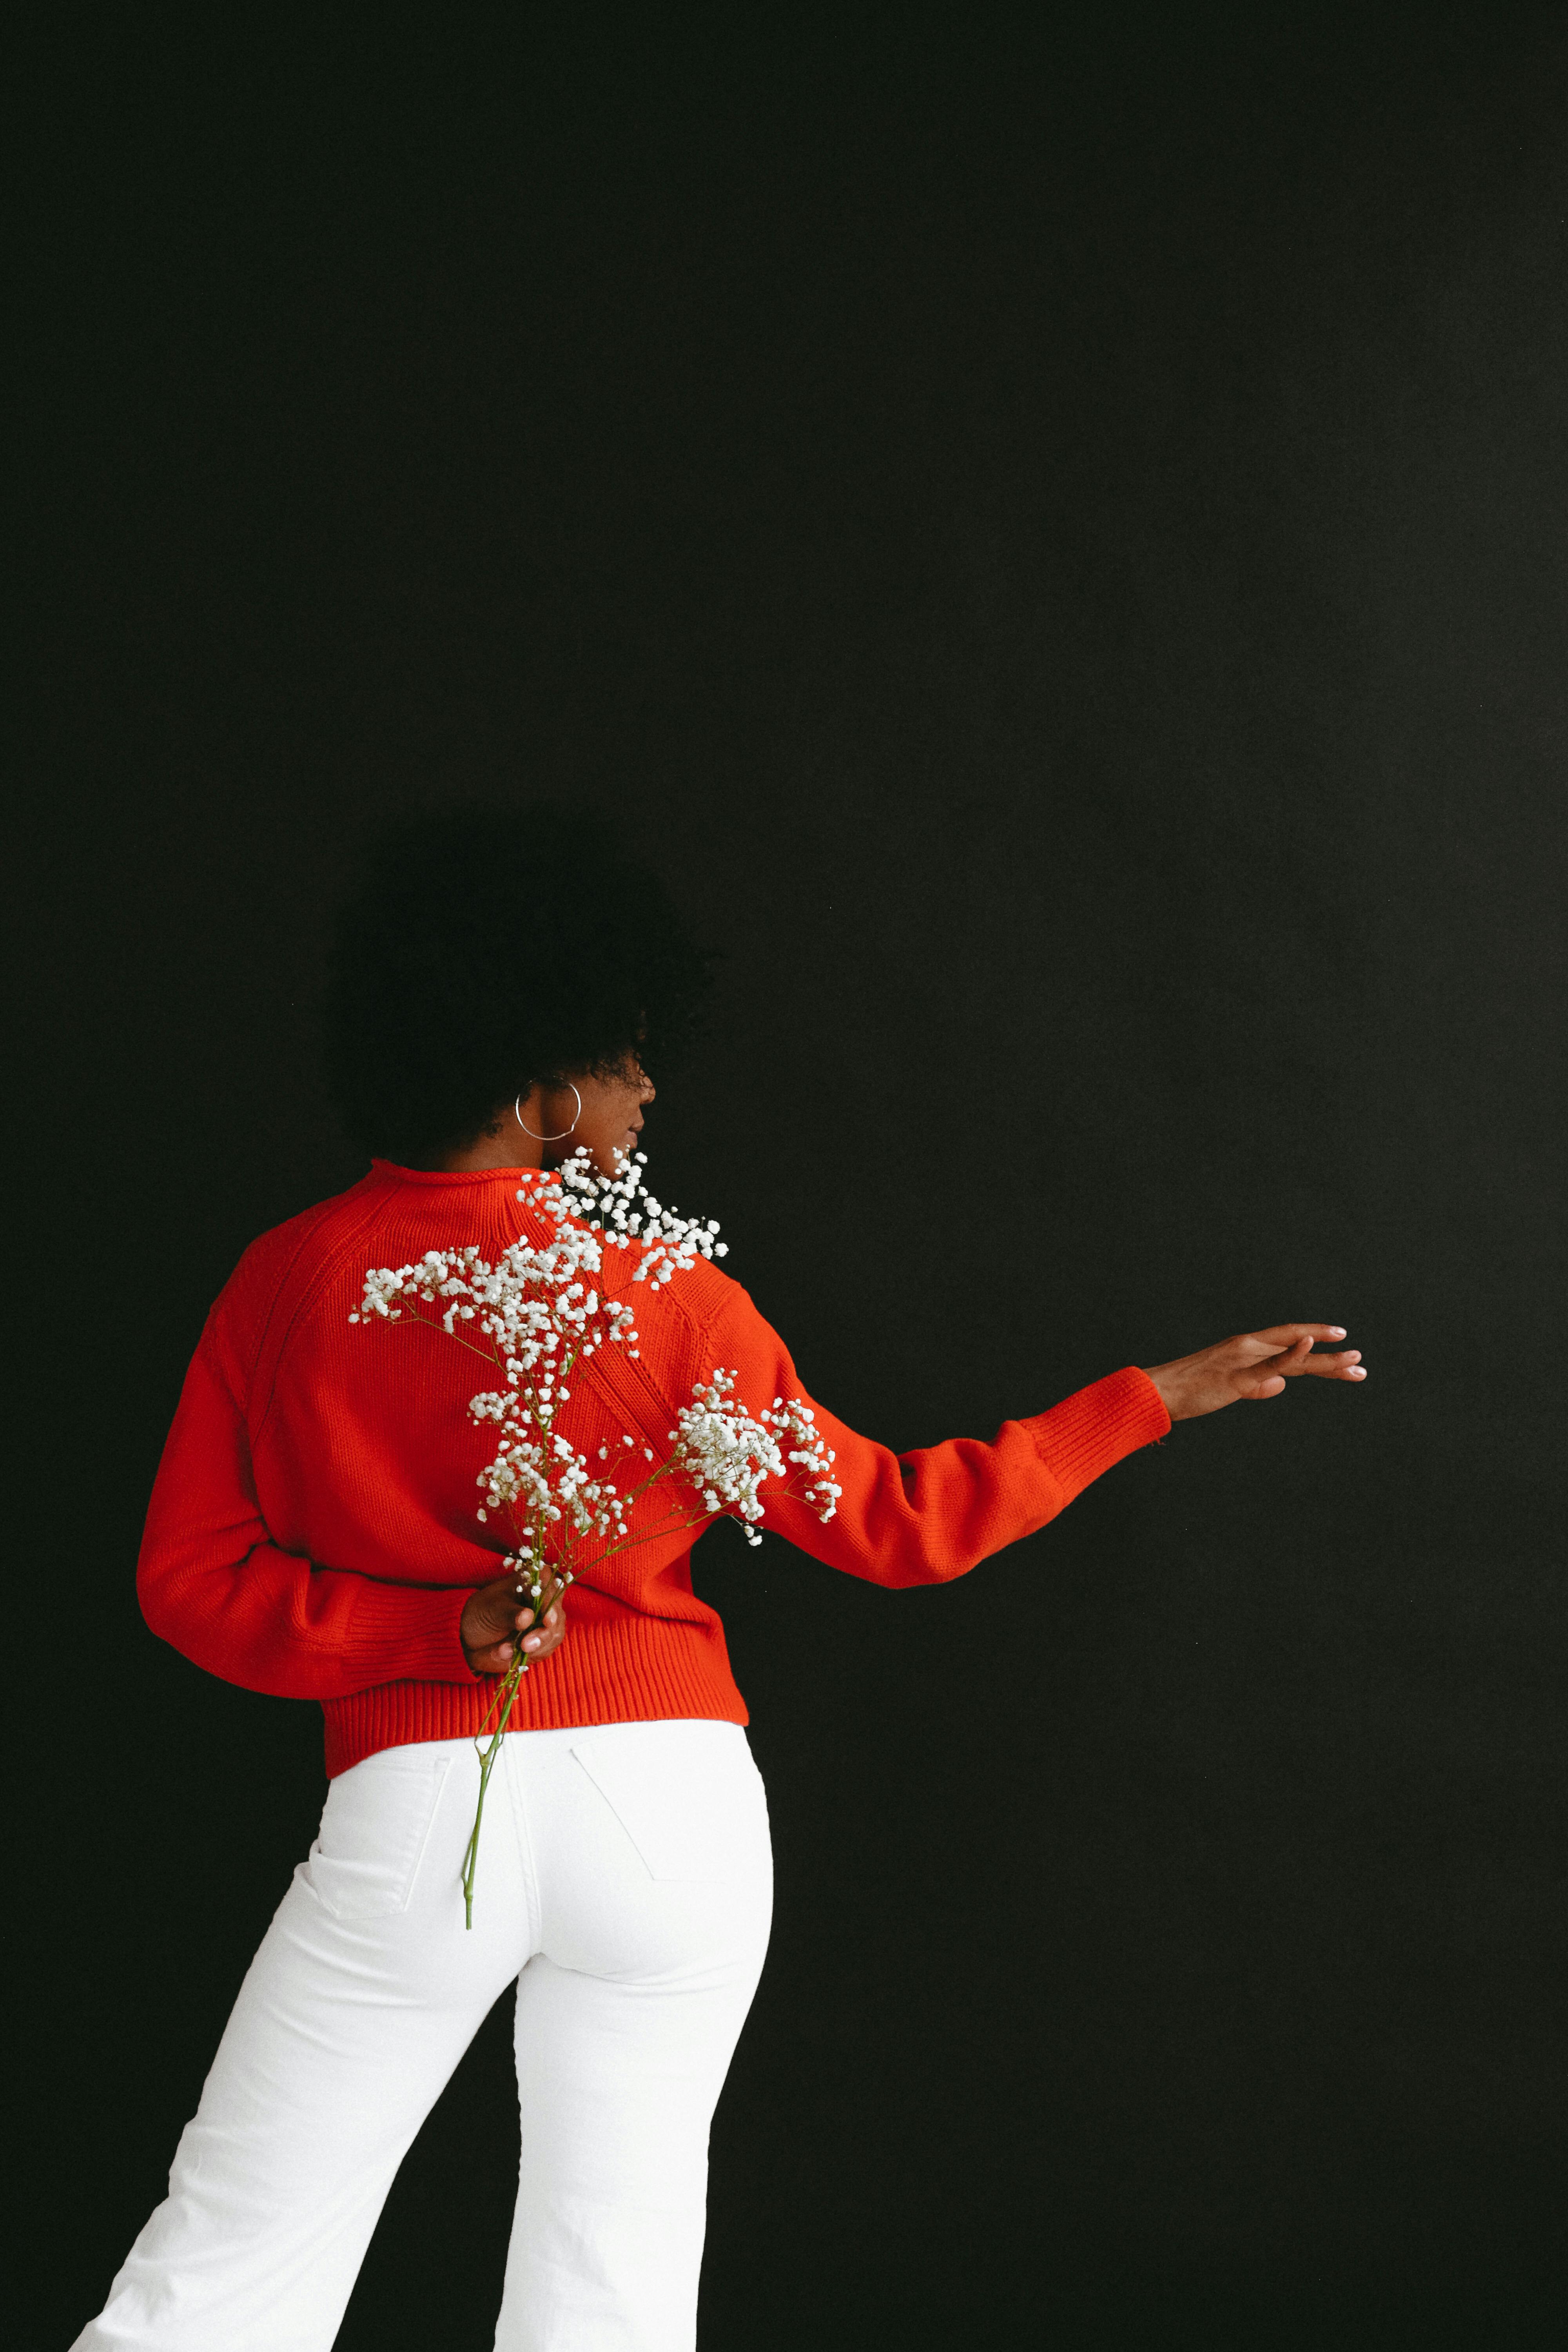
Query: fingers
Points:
[539, 1637]
[1285, 1335]
[1294, 1341]
[548, 1634]
[1257, 1379]
[1268, 1380]
[1346, 1366]
[491, 1656]
[496, 1657]
[499, 1621]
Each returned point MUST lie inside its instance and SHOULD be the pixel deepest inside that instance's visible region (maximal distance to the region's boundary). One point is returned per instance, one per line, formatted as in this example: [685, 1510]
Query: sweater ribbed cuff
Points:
[408, 1632]
[1097, 1427]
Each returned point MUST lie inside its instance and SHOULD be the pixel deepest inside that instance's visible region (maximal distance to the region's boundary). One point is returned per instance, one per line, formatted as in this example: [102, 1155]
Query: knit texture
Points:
[312, 1530]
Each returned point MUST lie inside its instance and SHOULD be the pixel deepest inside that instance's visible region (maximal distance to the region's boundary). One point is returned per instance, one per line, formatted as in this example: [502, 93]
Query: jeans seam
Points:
[438, 1777]
[533, 1899]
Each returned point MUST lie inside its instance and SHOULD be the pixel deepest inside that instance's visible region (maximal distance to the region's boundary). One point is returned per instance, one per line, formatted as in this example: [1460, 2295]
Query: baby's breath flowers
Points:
[537, 1314]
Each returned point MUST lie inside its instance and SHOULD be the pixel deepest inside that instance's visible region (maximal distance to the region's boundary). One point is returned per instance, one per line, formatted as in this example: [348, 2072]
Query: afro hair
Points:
[482, 951]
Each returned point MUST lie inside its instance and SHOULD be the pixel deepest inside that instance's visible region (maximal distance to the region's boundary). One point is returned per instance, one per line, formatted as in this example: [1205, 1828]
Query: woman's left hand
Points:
[1255, 1365]
[496, 1617]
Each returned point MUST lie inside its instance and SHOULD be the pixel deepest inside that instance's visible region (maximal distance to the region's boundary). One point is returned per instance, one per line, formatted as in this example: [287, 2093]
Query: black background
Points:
[1052, 526]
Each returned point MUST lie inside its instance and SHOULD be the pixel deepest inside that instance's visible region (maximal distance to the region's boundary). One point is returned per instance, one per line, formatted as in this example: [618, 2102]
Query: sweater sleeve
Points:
[925, 1516]
[214, 1585]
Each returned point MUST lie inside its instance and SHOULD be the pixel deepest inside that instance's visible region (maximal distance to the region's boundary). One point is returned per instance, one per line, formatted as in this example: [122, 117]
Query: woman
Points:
[312, 1532]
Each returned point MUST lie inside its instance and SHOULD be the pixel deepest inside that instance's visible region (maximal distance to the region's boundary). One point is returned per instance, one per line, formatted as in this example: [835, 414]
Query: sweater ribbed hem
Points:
[616, 1670]
[1090, 1432]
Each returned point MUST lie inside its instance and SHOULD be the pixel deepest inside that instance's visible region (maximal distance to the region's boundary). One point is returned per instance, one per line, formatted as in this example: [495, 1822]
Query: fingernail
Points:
[504, 1651]
[1358, 1372]
[532, 1642]
[1336, 1330]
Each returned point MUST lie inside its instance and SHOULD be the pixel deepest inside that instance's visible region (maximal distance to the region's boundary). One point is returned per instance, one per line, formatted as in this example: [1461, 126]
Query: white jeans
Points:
[625, 1879]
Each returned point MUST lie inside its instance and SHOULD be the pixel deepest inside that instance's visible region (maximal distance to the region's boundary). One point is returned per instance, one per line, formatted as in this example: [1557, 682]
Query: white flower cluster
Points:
[788, 1417]
[669, 1245]
[539, 1312]
[727, 1454]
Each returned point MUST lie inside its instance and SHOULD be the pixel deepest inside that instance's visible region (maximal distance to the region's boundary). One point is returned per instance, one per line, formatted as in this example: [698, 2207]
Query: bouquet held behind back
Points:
[537, 1316]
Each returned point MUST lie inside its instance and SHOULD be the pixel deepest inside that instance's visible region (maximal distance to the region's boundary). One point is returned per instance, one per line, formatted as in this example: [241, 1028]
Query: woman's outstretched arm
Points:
[931, 1514]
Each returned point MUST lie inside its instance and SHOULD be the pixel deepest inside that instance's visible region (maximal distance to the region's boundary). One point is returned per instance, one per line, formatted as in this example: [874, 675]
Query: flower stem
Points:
[500, 1707]
[486, 1756]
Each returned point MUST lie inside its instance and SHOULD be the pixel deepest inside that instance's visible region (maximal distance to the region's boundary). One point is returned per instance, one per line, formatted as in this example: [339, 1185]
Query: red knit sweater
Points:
[311, 1529]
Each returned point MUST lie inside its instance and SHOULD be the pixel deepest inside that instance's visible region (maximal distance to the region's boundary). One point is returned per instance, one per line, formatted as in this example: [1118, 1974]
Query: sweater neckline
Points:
[393, 1173]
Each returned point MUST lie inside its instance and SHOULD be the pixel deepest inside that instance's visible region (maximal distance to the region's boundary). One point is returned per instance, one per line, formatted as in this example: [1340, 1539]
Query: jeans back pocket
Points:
[374, 1828]
[687, 1793]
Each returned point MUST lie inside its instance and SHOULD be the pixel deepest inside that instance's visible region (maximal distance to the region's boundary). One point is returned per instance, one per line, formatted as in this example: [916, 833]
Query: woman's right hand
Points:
[1257, 1365]
[494, 1617]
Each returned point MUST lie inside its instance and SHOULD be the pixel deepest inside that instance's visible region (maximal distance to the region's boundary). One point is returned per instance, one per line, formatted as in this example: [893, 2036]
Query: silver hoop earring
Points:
[517, 1112]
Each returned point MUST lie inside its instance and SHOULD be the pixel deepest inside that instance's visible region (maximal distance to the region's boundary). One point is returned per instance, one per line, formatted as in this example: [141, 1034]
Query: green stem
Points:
[486, 1756]
[500, 1707]
[434, 1323]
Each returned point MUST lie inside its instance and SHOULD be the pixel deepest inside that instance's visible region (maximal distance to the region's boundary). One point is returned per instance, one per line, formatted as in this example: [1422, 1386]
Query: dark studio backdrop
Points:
[1051, 527]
